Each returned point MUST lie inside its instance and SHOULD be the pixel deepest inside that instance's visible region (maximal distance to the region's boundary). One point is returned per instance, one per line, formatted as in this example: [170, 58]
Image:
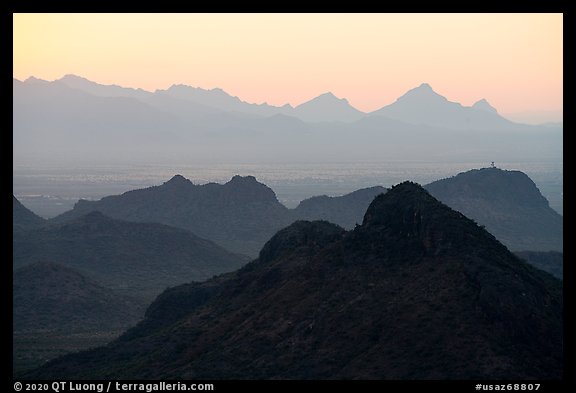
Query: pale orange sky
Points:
[513, 60]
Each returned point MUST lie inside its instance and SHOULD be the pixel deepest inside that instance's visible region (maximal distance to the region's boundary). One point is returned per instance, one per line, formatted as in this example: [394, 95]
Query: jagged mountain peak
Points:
[424, 92]
[327, 107]
[401, 198]
[73, 77]
[178, 180]
[415, 223]
[425, 86]
[327, 98]
[187, 91]
[330, 96]
[245, 183]
[34, 80]
[238, 179]
[423, 106]
[250, 189]
[484, 105]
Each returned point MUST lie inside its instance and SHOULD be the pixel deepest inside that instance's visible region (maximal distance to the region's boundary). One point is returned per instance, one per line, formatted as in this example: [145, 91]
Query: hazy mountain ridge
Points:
[80, 83]
[508, 203]
[52, 120]
[326, 107]
[422, 105]
[346, 210]
[418, 291]
[48, 116]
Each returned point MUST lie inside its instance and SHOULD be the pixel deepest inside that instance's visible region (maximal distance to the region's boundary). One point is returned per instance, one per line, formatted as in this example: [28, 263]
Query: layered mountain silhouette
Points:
[76, 119]
[220, 100]
[240, 215]
[23, 218]
[549, 261]
[423, 106]
[243, 214]
[50, 118]
[96, 89]
[418, 291]
[52, 297]
[138, 259]
[346, 210]
[508, 203]
[327, 107]
[484, 105]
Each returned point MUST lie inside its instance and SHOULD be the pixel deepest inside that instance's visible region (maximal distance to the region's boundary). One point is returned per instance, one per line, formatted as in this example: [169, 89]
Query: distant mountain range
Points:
[423, 106]
[137, 259]
[431, 108]
[417, 291]
[75, 119]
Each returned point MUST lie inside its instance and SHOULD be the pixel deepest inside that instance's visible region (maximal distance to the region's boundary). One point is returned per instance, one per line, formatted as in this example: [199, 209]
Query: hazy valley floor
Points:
[54, 190]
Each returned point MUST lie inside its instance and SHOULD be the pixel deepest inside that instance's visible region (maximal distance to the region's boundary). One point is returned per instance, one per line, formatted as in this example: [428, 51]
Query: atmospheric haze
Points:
[78, 121]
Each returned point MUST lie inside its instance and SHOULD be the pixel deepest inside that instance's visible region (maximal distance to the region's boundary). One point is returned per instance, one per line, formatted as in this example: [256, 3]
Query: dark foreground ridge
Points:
[418, 291]
[49, 297]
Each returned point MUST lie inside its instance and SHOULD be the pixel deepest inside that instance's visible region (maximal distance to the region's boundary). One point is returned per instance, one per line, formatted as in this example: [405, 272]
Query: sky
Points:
[515, 61]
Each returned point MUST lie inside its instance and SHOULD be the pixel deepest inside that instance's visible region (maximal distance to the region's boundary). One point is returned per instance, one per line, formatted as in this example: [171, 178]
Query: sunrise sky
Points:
[513, 60]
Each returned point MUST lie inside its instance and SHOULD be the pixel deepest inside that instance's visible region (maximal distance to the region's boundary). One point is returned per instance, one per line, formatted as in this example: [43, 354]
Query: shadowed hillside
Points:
[23, 218]
[52, 297]
[140, 259]
[57, 310]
